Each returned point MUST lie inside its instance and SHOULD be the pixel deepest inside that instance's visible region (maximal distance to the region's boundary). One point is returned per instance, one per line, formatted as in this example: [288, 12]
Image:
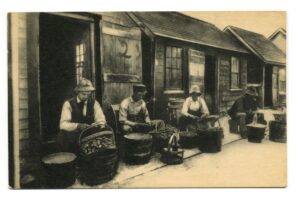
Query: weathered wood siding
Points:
[23, 94]
[226, 95]
[19, 77]
[121, 56]
[223, 96]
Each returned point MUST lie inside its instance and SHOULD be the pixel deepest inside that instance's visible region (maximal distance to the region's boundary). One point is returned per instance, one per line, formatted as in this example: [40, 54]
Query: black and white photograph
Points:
[156, 99]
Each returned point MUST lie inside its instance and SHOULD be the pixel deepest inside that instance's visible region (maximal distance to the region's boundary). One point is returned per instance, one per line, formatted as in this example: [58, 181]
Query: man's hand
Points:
[204, 116]
[102, 126]
[133, 124]
[193, 117]
[82, 126]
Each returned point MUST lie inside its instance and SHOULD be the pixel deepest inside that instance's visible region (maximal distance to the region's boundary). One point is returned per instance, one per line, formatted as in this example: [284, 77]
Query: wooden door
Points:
[122, 64]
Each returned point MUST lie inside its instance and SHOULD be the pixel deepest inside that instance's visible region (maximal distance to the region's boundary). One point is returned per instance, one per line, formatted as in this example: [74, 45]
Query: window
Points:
[80, 59]
[235, 73]
[173, 77]
[282, 81]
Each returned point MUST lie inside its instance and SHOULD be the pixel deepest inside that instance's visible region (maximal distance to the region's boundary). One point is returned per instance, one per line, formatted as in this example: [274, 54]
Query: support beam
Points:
[263, 84]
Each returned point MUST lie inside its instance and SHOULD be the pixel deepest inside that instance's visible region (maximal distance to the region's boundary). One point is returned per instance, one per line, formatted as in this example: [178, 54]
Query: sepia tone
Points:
[168, 52]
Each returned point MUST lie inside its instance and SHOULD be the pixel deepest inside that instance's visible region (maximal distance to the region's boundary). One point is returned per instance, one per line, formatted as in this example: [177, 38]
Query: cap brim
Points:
[84, 89]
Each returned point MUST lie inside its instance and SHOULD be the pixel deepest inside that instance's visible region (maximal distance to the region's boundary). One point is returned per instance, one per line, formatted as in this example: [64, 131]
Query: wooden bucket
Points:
[256, 132]
[98, 155]
[188, 140]
[277, 131]
[98, 168]
[59, 169]
[161, 137]
[210, 140]
[138, 148]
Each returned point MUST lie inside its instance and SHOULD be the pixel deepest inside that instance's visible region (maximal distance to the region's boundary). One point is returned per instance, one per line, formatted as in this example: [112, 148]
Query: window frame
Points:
[80, 59]
[167, 88]
[239, 73]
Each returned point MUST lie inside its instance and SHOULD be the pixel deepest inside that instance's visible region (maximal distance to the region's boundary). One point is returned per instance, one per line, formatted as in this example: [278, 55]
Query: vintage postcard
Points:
[147, 99]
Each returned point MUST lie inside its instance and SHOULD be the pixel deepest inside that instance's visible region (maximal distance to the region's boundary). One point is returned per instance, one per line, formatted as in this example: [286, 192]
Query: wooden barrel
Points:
[59, 169]
[188, 140]
[98, 168]
[210, 140]
[138, 148]
[277, 131]
[98, 155]
[256, 132]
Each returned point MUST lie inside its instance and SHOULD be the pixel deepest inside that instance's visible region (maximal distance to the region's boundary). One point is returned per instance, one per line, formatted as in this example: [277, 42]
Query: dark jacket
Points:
[244, 104]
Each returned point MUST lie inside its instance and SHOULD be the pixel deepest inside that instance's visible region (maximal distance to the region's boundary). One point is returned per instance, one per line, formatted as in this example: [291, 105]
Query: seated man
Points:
[77, 114]
[194, 110]
[134, 115]
[243, 109]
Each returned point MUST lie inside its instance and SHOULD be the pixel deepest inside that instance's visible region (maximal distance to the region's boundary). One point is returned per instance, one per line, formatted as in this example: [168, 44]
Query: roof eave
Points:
[197, 42]
[280, 30]
[275, 63]
[245, 43]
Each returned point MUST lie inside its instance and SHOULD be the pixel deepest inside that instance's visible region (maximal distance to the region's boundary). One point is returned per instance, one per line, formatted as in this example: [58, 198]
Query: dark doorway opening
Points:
[268, 86]
[65, 56]
[210, 83]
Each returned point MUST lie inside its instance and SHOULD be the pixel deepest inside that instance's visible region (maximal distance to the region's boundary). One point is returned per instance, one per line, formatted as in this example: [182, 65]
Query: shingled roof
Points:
[181, 27]
[259, 45]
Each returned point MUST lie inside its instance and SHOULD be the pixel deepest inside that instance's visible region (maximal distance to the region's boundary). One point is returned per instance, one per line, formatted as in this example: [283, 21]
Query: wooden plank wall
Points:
[27, 157]
[19, 77]
[161, 96]
[122, 56]
[23, 95]
[226, 95]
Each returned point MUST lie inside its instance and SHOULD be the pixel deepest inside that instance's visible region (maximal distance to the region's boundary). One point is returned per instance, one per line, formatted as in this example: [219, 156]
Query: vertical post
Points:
[217, 84]
[152, 52]
[15, 96]
[263, 85]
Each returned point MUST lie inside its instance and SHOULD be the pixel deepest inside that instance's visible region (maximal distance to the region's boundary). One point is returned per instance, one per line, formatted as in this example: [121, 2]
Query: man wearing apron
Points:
[78, 113]
[194, 111]
[133, 112]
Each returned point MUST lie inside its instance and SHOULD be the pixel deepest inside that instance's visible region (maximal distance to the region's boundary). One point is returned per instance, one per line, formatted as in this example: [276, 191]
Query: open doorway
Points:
[65, 57]
[210, 83]
[268, 86]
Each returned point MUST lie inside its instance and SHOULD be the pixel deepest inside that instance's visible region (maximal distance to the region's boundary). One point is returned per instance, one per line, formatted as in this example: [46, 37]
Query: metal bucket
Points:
[277, 131]
[210, 140]
[256, 132]
[59, 169]
[138, 148]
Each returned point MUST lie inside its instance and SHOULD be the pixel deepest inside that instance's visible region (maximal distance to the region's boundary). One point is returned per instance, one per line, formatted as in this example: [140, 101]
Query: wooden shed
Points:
[47, 54]
[179, 51]
[266, 68]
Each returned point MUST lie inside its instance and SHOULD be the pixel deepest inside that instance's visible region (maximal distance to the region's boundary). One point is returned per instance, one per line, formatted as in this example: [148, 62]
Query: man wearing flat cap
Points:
[245, 106]
[133, 112]
[78, 113]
